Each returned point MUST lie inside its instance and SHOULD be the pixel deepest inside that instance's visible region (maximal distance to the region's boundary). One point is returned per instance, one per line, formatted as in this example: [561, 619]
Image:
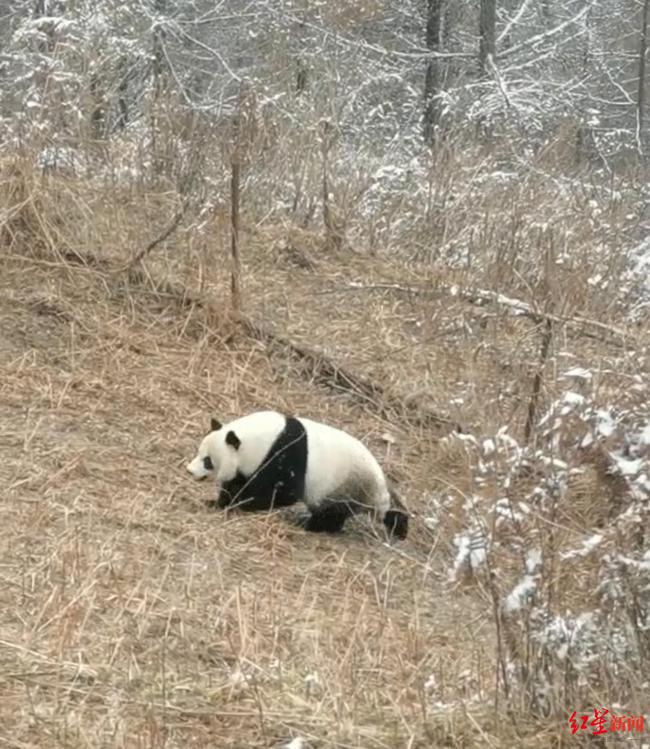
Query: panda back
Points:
[337, 461]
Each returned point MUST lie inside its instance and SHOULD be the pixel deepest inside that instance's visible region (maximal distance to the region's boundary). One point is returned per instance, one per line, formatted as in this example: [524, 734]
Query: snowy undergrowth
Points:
[557, 534]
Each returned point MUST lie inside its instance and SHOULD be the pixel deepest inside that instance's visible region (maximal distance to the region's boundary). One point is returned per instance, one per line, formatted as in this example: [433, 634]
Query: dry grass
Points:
[132, 617]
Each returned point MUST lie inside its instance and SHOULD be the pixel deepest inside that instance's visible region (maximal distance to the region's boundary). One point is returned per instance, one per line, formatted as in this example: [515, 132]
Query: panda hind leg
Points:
[329, 517]
[396, 523]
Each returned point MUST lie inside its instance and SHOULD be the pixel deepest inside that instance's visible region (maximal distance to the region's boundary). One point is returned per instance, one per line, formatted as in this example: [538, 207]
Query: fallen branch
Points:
[483, 297]
[325, 371]
[523, 309]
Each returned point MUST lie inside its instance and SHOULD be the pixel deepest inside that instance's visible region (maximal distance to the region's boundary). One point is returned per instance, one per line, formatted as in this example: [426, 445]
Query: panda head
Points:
[217, 454]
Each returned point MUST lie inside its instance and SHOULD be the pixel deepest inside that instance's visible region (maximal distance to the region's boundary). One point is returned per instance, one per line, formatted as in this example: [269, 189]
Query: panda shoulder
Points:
[258, 424]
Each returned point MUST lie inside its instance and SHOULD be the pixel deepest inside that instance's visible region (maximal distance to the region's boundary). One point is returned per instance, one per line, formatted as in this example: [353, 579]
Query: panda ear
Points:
[233, 440]
[215, 425]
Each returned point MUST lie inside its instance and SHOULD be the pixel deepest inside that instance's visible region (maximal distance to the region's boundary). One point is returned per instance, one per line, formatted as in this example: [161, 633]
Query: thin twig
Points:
[547, 337]
[171, 228]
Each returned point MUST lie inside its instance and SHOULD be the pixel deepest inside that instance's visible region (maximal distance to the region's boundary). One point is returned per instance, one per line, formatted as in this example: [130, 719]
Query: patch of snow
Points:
[297, 743]
[488, 447]
[465, 438]
[554, 463]
[625, 466]
[533, 560]
[51, 158]
[640, 565]
[311, 681]
[237, 679]
[504, 509]
[571, 400]
[430, 684]
[578, 373]
[605, 424]
[521, 594]
[585, 549]
[471, 552]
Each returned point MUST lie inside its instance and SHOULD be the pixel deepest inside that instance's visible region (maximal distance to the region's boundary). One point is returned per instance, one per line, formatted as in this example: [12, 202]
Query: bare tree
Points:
[640, 100]
[434, 75]
[122, 95]
[370, 70]
[158, 69]
[487, 33]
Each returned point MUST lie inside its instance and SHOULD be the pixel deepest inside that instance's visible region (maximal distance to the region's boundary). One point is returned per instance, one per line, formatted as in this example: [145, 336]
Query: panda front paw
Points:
[220, 502]
[327, 520]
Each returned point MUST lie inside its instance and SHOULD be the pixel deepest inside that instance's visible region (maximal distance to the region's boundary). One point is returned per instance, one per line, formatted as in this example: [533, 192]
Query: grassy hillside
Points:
[134, 617]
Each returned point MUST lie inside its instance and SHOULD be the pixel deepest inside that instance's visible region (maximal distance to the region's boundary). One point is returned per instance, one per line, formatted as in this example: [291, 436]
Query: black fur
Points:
[280, 479]
[329, 517]
[215, 425]
[397, 523]
[280, 482]
[233, 440]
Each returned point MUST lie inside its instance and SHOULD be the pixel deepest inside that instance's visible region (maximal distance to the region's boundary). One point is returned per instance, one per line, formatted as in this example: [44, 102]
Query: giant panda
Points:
[267, 460]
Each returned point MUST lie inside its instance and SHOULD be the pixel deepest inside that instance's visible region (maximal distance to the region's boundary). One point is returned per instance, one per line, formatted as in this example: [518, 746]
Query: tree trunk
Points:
[235, 271]
[487, 33]
[122, 95]
[302, 77]
[333, 231]
[640, 100]
[243, 135]
[158, 65]
[433, 78]
[157, 45]
[97, 116]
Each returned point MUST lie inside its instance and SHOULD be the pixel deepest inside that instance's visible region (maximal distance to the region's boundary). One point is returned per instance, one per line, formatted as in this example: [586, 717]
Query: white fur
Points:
[338, 464]
[257, 433]
[336, 460]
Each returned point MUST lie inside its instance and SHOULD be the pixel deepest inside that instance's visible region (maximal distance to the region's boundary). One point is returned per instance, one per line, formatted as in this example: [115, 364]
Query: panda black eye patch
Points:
[207, 463]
